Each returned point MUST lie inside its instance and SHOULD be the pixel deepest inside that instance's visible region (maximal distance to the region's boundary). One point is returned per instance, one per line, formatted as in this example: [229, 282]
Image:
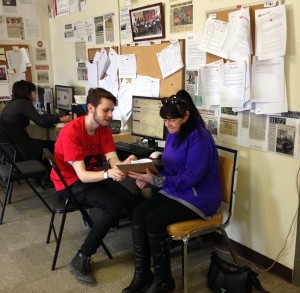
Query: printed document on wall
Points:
[230, 126]
[283, 133]
[254, 131]
[127, 66]
[211, 83]
[216, 38]
[194, 57]
[233, 76]
[264, 74]
[241, 44]
[170, 59]
[270, 32]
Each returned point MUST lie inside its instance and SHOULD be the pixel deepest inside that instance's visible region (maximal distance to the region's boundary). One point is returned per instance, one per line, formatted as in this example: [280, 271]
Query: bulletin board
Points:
[223, 16]
[147, 65]
[92, 51]
[28, 74]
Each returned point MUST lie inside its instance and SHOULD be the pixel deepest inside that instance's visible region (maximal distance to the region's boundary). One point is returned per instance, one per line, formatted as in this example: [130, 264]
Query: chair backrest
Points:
[13, 148]
[228, 163]
[71, 197]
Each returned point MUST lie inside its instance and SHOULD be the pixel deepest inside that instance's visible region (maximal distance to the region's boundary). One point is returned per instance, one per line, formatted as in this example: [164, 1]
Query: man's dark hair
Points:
[96, 94]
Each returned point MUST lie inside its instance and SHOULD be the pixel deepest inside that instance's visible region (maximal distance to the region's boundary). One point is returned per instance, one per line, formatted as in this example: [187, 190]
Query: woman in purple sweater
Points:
[189, 187]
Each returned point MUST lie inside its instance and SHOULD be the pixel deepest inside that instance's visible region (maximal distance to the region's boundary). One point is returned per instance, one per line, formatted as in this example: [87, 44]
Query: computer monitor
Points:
[146, 121]
[64, 97]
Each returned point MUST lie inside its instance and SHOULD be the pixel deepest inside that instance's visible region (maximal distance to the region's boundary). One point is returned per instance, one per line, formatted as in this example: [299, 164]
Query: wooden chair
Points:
[186, 230]
[21, 170]
[60, 206]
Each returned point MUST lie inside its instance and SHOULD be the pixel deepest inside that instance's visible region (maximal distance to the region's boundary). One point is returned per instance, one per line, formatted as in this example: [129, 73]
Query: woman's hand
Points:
[141, 184]
[141, 176]
[65, 119]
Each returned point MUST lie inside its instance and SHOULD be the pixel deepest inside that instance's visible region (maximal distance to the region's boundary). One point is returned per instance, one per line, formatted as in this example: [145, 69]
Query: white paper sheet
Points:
[271, 32]
[170, 59]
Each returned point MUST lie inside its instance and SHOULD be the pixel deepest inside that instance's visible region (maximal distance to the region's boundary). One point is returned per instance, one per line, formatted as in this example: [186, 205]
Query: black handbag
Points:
[227, 277]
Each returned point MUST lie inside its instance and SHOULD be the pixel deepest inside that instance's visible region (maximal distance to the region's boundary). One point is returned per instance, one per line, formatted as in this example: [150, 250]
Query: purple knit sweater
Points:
[191, 172]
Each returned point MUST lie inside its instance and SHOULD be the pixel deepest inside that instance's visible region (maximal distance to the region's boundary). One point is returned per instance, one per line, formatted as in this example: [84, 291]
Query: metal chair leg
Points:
[185, 266]
[8, 190]
[62, 225]
[50, 227]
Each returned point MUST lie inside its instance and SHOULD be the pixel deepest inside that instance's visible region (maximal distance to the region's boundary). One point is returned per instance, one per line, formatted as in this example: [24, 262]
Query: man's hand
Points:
[129, 159]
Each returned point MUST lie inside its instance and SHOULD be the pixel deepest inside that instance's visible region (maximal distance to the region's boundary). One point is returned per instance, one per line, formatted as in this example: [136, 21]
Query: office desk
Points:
[36, 131]
[122, 136]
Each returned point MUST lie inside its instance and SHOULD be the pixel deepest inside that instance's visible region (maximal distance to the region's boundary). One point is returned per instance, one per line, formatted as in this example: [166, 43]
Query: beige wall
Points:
[266, 197]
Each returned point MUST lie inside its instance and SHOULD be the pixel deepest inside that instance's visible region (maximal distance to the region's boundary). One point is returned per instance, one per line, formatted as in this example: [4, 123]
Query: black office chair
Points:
[12, 171]
[60, 206]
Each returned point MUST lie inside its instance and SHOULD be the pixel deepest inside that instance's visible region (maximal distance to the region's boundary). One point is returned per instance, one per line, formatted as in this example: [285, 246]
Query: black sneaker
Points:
[80, 266]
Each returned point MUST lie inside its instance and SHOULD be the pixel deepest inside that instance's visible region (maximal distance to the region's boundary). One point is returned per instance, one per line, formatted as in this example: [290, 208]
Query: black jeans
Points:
[110, 198]
[159, 211]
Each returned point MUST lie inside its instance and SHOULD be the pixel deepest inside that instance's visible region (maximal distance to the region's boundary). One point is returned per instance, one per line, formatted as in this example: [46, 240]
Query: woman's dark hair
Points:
[176, 106]
[20, 89]
[31, 87]
[95, 94]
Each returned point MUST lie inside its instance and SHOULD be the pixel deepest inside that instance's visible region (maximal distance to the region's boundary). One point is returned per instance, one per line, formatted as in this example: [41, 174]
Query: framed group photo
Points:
[147, 23]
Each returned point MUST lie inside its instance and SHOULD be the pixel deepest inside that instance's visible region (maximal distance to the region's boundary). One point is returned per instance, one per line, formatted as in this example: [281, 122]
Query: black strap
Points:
[256, 283]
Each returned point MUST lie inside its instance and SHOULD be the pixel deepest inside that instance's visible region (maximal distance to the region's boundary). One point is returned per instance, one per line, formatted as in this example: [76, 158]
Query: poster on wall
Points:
[181, 17]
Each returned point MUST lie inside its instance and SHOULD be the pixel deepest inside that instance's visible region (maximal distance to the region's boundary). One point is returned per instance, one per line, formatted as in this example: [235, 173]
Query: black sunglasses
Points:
[173, 100]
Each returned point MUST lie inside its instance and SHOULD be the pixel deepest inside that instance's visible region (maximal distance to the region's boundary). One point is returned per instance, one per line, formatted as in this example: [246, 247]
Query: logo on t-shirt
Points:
[93, 161]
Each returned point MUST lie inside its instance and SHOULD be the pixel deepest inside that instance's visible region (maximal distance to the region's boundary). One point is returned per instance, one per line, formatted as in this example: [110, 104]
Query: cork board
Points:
[147, 65]
[92, 51]
[222, 15]
[28, 75]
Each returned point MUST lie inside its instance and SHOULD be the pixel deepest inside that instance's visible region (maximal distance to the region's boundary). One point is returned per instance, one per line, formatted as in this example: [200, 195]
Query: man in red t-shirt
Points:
[83, 147]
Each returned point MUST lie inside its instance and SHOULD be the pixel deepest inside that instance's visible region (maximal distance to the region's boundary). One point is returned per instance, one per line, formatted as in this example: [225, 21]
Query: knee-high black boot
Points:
[160, 252]
[143, 276]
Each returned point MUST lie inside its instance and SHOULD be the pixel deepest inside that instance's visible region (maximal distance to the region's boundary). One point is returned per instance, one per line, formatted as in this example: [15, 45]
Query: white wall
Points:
[266, 197]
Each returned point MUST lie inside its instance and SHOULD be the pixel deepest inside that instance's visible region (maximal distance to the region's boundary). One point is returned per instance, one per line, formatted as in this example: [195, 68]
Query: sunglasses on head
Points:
[173, 100]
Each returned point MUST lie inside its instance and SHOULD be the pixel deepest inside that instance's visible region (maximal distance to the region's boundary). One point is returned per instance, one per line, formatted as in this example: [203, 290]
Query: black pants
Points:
[159, 211]
[110, 198]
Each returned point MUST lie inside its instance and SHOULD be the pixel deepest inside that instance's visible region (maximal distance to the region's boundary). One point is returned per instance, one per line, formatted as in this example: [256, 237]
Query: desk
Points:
[122, 136]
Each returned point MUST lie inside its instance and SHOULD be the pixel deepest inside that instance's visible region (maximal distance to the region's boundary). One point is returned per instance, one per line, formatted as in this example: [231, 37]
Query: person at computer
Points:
[16, 116]
[83, 147]
[189, 187]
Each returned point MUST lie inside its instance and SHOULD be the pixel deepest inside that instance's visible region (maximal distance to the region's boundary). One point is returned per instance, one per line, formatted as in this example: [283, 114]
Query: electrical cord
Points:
[287, 237]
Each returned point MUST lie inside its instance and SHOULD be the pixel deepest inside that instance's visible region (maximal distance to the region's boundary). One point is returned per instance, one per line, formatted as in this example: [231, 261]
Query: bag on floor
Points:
[226, 277]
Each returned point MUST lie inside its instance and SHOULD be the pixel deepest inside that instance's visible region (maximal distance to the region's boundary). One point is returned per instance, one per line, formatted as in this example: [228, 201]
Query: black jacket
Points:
[16, 116]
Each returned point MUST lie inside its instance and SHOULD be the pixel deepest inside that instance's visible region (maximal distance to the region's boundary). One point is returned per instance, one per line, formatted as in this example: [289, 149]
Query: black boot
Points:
[81, 268]
[160, 251]
[143, 276]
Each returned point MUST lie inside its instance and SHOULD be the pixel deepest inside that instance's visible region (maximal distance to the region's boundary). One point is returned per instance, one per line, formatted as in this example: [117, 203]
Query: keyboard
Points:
[134, 148]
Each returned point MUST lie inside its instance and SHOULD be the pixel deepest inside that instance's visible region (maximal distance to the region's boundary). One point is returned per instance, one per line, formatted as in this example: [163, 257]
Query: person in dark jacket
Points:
[15, 118]
[189, 187]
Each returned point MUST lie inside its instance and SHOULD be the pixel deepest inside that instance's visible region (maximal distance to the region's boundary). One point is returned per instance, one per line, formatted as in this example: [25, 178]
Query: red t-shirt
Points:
[74, 144]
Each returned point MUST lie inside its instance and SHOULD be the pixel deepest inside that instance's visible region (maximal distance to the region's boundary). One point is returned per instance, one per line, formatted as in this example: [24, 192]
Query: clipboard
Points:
[139, 166]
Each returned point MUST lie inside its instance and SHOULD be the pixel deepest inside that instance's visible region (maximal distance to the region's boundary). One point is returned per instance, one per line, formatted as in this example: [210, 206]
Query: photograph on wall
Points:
[109, 27]
[147, 23]
[15, 27]
[42, 77]
[181, 17]
[82, 71]
[99, 29]
[41, 54]
[3, 74]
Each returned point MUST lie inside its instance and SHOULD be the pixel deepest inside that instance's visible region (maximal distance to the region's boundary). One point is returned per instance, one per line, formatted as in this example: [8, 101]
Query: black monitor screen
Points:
[146, 121]
[64, 97]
